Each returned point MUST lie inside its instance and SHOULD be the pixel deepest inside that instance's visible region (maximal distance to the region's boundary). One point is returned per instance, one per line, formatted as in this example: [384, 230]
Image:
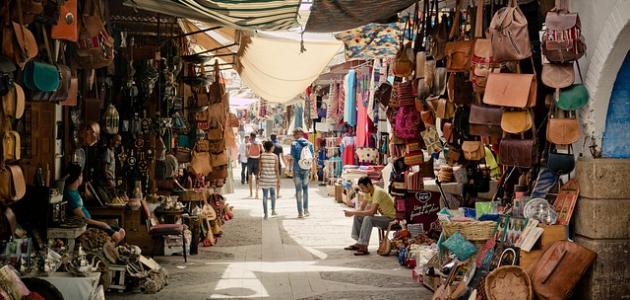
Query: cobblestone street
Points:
[286, 258]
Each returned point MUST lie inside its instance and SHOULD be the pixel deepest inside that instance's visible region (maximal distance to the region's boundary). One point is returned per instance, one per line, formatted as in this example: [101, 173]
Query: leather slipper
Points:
[361, 253]
[351, 248]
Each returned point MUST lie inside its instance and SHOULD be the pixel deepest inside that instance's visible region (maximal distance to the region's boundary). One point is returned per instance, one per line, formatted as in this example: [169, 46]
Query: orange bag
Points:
[66, 28]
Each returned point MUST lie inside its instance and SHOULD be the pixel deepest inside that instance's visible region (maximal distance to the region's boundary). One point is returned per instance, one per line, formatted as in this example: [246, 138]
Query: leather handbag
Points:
[482, 61]
[73, 91]
[516, 121]
[427, 118]
[560, 163]
[219, 160]
[18, 42]
[29, 10]
[66, 28]
[458, 55]
[511, 90]
[200, 163]
[96, 46]
[12, 184]
[559, 269]
[403, 65]
[447, 132]
[385, 247]
[563, 40]
[460, 89]
[563, 131]
[573, 98]
[183, 154]
[453, 156]
[202, 146]
[421, 59]
[558, 76]
[485, 120]
[215, 131]
[440, 82]
[509, 34]
[438, 36]
[429, 73]
[473, 150]
[519, 152]
[11, 146]
[217, 146]
[13, 102]
[445, 109]
[383, 93]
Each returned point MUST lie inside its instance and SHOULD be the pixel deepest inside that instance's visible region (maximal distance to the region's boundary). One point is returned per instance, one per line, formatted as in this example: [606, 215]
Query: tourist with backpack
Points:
[302, 153]
[254, 150]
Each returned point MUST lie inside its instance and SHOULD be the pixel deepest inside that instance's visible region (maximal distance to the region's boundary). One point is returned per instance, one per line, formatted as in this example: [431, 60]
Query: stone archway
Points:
[610, 50]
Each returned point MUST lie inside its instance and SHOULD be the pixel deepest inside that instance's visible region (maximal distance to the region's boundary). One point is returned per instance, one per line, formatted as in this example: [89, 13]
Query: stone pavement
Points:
[285, 258]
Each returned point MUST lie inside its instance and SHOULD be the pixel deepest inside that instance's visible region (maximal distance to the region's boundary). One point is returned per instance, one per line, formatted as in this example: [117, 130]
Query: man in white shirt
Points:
[242, 158]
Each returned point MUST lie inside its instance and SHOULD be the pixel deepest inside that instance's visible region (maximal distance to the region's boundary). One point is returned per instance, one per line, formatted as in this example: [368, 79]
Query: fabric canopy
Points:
[206, 41]
[276, 70]
[339, 15]
[241, 14]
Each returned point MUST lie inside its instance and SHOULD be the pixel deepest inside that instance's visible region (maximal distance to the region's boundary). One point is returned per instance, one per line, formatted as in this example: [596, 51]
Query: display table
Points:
[68, 234]
[77, 287]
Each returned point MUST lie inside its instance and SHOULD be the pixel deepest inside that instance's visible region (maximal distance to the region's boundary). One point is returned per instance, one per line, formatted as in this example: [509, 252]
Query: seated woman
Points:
[76, 208]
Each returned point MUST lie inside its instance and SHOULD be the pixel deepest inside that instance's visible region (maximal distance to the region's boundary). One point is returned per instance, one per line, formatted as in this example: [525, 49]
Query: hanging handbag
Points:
[216, 89]
[11, 146]
[200, 163]
[414, 158]
[516, 121]
[438, 35]
[509, 34]
[563, 40]
[407, 124]
[432, 140]
[183, 154]
[14, 102]
[12, 184]
[403, 65]
[511, 90]
[519, 152]
[485, 120]
[202, 146]
[383, 93]
[66, 28]
[460, 89]
[427, 118]
[562, 131]
[447, 132]
[559, 269]
[482, 61]
[18, 43]
[440, 82]
[461, 123]
[473, 150]
[215, 131]
[219, 160]
[96, 46]
[558, 76]
[445, 109]
[573, 98]
[560, 163]
[385, 247]
[73, 91]
[458, 52]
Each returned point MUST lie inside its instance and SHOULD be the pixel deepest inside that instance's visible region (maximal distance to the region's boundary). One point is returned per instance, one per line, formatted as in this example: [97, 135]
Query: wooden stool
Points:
[118, 274]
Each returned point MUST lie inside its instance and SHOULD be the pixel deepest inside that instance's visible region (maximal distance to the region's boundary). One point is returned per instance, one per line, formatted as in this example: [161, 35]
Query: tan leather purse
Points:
[12, 184]
[458, 55]
[563, 131]
[445, 109]
[516, 121]
[73, 92]
[511, 90]
[13, 103]
[219, 160]
[509, 34]
[558, 76]
[202, 146]
[11, 145]
[200, 163]
[473, 150]
[421, 59]
[18, 42]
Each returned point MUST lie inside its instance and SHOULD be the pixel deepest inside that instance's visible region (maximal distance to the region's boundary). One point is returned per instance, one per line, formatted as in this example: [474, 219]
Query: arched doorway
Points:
[616, 138]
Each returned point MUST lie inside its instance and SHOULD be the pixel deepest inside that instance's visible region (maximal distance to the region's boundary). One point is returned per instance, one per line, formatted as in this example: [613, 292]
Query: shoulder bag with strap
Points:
[95, 46]
[66, 28]
[516, 152]
[458, 52]
[509, 34]
[18, 43]
[12, 184]
[563, 40]
[482, 61]
[511, 90]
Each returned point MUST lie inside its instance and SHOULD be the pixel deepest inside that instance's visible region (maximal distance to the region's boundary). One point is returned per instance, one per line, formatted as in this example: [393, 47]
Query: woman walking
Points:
[269, 176]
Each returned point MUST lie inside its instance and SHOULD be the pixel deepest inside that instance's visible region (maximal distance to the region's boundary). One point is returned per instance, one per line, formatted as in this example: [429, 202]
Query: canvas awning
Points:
[215, 39]
[273, 66]
[339, 15]
[241, 14]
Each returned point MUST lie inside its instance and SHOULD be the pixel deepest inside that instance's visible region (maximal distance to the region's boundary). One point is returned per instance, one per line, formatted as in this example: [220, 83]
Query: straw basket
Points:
[474, 231]
[508, 283]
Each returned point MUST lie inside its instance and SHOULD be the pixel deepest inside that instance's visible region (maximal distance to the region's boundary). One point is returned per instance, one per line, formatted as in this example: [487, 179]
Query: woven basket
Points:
[471, 230]
[508, 283]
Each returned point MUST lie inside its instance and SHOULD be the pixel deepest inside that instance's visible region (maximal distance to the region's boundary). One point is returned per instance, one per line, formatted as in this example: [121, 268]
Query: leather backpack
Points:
[482, 60]
[96, 46]
[509, 34]
[511, 90]
[473, 150]
[458, 52]
[18, 42]
[559, 269]
[563, 40]
[485, 120]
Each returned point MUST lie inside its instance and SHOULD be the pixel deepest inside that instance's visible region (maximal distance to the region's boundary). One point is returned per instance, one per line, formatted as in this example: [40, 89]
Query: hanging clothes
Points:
[348, 146]
[362, 94]
[299, 116]
[350, 112]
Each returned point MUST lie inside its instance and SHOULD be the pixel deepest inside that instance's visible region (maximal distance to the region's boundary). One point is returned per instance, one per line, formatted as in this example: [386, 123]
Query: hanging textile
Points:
[350, 111]
[338, 15]
[362, 94]
[372, 40]
[348, 146]
[299, 116]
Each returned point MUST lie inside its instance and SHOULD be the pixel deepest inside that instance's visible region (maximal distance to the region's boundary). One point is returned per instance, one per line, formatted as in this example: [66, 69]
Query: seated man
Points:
[375, 200]
[75, 204]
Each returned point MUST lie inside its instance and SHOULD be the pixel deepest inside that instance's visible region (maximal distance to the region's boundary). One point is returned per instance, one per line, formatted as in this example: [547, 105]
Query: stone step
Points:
[602, 218]
[603, 178]
[609, 276]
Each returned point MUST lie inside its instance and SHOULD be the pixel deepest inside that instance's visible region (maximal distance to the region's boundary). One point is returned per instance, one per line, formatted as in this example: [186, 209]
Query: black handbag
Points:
[462, 125]
[561, 163]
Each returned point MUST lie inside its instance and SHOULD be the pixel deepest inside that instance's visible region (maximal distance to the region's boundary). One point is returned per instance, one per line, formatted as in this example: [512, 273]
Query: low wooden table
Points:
[117, 212]
[68, 234]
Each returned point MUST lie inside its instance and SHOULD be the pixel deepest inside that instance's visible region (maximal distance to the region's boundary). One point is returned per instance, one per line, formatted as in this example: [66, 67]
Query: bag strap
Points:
[479, 19]
[562, 5]
[456, 27]
[47, 44]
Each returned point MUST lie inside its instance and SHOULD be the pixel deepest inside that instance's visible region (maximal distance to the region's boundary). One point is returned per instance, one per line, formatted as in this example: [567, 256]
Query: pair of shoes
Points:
[361, 250]
[273, 213]
[354, 247]
[300, 216]
[307, 214]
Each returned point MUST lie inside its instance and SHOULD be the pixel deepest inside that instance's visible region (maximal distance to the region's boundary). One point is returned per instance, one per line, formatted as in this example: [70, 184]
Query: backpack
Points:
[509, 34]
[306, 158]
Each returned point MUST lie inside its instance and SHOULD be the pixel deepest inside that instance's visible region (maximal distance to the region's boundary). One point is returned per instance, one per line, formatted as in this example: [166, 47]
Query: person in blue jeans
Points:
[301, 176]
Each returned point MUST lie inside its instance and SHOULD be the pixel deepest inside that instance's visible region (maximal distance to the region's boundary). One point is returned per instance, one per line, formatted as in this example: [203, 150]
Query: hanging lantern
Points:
[112, 119]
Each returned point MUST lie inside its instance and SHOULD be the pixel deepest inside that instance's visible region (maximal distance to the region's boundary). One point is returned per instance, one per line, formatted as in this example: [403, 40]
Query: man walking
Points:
[242, 158]
[375, 200]
[254, 150]
[302, 162]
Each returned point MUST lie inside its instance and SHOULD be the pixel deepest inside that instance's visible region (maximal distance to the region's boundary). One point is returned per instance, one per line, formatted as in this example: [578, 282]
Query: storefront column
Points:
[602, 223]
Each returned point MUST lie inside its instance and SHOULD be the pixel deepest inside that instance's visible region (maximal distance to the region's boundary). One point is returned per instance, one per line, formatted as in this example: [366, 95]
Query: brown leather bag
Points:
[482, 61]
[485, 120]
[403, 66]
[563, 40]
[559, 269]
[447, 132]
[558, 76]
[517, 121]
[563, 131]
[460, 89]
[18, 42]
[473, 150]
[11, 146]
[66, 28]
[14, 102]
[220, 159]
[511, 90]
[96, 46]
[458, 55]
[12, 184]
[200, 163]
[509, 34]
[521, 153]
[444, 109]
[73, 92]
[202, 146]
[427, 118]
